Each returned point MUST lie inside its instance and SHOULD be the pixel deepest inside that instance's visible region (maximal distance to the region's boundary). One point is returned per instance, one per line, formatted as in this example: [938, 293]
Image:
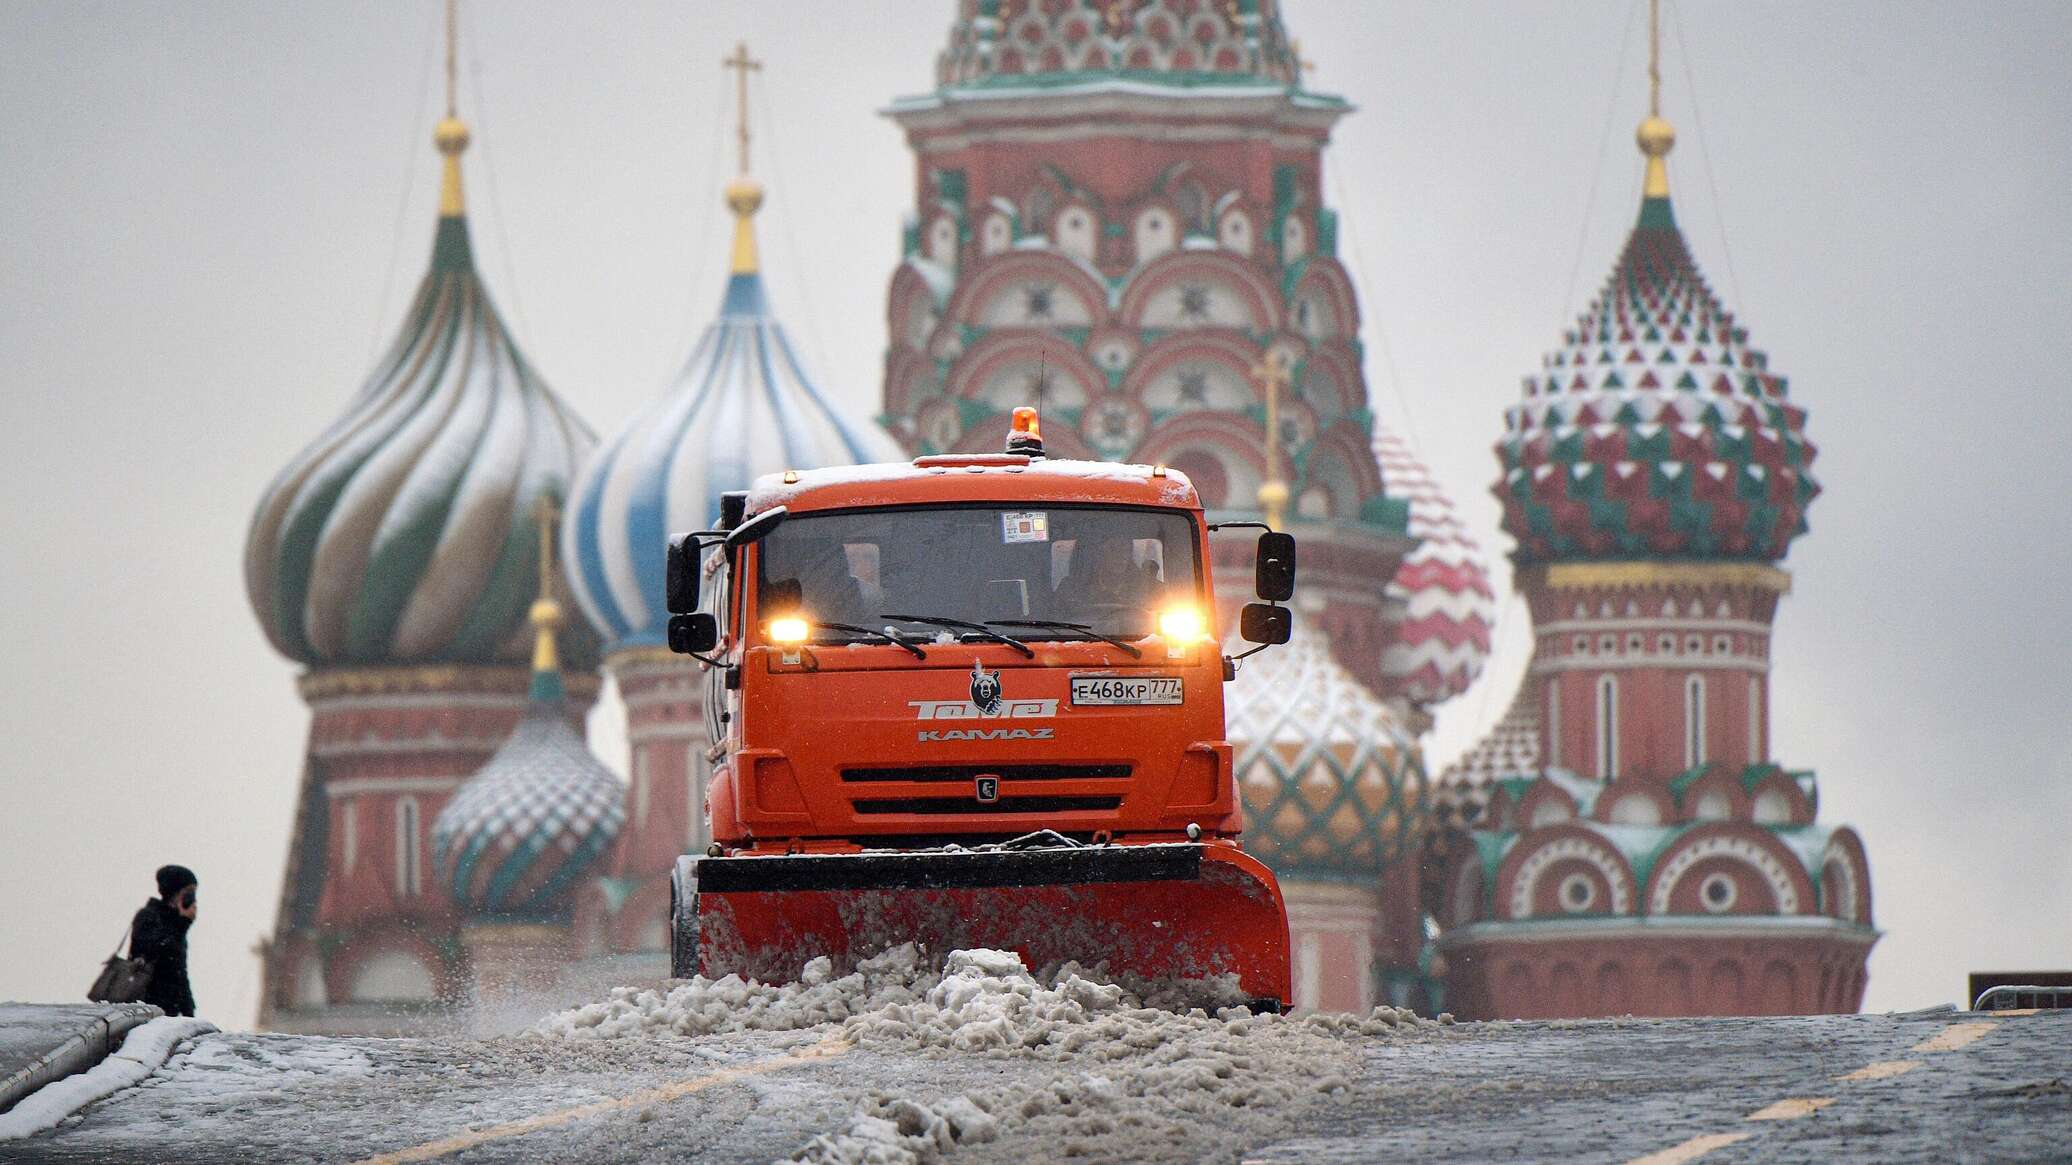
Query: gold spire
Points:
[451, 134]
[1273, 374]
[744, 194]
[1656, 136]
[546, 610]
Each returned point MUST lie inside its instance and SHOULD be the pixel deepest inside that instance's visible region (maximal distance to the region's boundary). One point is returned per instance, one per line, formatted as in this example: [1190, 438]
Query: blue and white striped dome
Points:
[742, 406]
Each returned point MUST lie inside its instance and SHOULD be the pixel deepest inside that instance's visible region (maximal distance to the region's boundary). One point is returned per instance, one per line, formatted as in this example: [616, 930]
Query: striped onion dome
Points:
[1443, 641]
[402, 534]
[518, 834]
[743, 406]
[1655, 431]
[1333, 786]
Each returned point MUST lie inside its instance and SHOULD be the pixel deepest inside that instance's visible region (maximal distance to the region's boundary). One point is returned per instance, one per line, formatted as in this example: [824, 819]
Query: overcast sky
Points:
[212, 214]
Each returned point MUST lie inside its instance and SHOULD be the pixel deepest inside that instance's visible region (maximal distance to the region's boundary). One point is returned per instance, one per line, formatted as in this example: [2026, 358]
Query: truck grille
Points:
[969, 773]
[966, 805]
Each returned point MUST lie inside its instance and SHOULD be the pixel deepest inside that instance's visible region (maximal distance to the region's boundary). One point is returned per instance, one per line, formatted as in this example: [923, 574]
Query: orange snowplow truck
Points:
[971, 701]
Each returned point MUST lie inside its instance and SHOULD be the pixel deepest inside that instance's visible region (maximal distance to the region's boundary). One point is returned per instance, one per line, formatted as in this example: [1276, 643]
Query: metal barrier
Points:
[2022, 996]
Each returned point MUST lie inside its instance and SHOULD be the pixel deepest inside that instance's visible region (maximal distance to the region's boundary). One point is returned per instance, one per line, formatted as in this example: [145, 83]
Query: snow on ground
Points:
[142, 1051]
[1168, 1068]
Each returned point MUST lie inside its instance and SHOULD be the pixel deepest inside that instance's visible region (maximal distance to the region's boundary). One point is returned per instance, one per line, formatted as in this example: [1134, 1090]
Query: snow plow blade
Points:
[1161, 911]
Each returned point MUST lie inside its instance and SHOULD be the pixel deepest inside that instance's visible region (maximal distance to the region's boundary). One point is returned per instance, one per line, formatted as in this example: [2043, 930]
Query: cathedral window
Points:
[1607, 728]
[1755, 719]
[349, 835]
[1694, 721]
[409, 848]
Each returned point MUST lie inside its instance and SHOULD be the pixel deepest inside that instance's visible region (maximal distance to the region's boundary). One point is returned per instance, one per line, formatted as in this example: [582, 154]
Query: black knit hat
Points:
[173, 879]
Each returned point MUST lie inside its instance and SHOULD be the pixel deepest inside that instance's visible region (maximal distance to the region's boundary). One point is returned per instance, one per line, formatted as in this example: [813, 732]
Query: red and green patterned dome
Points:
[1655, 431]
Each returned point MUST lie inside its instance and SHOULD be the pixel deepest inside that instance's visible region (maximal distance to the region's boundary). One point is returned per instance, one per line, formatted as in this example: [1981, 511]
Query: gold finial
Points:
[545, 615]
[1655, 136]
[451, 134]
[1302, 65]
[744, 194]
[1273, 374]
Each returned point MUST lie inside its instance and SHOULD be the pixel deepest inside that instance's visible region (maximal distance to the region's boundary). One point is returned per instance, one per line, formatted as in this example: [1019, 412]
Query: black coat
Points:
[159, 934]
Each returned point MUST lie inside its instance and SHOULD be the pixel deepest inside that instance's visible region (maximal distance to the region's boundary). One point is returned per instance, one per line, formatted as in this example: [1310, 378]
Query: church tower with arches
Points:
[1636, 849]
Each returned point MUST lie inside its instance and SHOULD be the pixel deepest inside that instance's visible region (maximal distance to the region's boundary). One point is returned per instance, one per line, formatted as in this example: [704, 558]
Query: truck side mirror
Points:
[1276, 569]
[757, 528]
[680, 575]
[693, 634]
[1266, 624]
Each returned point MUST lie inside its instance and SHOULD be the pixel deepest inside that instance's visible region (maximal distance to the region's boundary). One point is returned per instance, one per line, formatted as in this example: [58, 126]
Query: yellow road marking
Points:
[1955, 1036]
[1792, 1109]
[1881, 1070]
[831, 1046]
[1691, 1150]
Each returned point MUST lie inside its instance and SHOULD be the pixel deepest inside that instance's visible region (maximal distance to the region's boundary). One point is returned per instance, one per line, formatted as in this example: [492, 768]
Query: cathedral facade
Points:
[1117, 217]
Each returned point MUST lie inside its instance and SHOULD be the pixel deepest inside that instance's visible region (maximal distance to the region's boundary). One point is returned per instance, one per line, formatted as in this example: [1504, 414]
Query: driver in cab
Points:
[1107, 585]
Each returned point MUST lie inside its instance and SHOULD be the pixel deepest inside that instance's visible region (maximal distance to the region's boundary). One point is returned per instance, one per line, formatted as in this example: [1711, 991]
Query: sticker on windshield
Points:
[1029, 527]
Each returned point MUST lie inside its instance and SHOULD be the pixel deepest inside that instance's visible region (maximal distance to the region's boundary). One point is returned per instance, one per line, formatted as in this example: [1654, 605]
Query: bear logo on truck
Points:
[985, 690]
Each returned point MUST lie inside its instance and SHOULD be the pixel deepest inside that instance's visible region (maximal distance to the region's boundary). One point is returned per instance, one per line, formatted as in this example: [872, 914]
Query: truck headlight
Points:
[789, 629]
[1182, 624]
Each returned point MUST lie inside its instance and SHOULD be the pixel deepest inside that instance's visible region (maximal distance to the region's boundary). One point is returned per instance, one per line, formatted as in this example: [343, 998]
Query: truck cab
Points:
[962, 653]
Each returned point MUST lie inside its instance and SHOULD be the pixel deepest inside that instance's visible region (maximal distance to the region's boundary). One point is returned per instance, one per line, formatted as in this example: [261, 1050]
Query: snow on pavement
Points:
[142, 1051]
[1151, 1070]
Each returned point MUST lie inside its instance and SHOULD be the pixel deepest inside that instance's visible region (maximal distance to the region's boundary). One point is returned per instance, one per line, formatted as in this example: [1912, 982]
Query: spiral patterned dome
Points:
[1655, 431]
[402, 534]
[517, 834]
[1443, 640]
[743, 406]
[1332, 785]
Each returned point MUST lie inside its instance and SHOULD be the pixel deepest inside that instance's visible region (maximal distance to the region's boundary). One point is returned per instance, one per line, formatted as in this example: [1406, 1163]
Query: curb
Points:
[143, 1051]
[86, 1048]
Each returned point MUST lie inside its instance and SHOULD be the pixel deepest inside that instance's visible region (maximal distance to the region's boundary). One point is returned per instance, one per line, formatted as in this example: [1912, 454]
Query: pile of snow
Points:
[1150, 1061]
[143, 1050]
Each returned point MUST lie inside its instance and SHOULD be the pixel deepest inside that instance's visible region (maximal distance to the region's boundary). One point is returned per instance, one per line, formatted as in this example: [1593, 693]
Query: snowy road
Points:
[992, 1069]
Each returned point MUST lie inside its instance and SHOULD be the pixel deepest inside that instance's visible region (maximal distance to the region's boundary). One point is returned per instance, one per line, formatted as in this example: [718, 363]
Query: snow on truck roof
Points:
[980, 477]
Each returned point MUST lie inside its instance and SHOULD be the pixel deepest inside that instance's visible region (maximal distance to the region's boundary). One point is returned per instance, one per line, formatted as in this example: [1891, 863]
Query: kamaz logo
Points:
[969, 710]
[928, 736]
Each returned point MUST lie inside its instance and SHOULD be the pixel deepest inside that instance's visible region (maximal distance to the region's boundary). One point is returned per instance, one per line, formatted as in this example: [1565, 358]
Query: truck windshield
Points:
[1111, 570]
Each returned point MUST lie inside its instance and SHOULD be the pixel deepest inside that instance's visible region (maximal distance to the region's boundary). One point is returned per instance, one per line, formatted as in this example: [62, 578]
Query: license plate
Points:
[1112, 690]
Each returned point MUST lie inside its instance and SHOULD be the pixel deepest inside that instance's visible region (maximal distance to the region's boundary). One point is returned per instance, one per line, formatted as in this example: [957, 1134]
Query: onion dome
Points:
[743, 406]
[1011, 41]
[1655, 430]
[1443, 641]
[517, 834]
[1333, 787]
[403, 533]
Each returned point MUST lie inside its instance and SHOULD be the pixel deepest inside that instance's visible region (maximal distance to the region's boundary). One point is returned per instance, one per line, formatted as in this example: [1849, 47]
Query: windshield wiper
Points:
[1081, 628]
[889, 635]
[973, 628]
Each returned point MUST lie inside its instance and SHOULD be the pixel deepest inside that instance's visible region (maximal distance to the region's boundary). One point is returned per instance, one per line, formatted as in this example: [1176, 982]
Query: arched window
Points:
[409, 849]
[348, 835]
[1554, 722]
[1755, 719]
[1607, 728]
[1694, 721]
